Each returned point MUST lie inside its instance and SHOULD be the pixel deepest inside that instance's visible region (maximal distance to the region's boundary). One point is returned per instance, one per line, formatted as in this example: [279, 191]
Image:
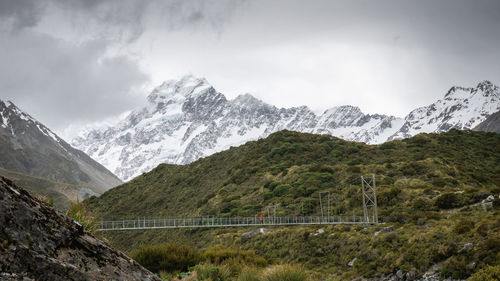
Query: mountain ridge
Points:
[28, 147]
[187, 119]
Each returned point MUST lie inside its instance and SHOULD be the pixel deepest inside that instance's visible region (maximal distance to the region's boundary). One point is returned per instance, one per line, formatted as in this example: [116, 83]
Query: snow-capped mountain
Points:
[188, 119]
[30, 148]
[461, 108]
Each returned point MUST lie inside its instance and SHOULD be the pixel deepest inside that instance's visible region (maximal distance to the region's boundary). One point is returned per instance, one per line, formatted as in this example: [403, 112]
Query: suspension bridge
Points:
[369, 204]
[211, 221]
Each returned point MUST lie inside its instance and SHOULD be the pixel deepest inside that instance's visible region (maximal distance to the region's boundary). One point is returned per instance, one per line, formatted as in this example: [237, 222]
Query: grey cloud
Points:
[178, 14]
[123, 20]
[21, 13]
[382, 55]
[61, 83]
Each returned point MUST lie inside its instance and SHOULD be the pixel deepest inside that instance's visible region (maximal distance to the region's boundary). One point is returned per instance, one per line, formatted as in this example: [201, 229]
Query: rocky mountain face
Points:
[461, 108]
[188, 119]
[38, 243]
[491, 124]
[28, 147]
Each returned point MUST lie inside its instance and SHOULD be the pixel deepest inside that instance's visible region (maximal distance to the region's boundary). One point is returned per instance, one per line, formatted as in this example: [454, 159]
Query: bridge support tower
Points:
[369, 189]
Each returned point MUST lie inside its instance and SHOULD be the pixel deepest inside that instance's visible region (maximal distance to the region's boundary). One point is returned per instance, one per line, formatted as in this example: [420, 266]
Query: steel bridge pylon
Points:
[369, 189]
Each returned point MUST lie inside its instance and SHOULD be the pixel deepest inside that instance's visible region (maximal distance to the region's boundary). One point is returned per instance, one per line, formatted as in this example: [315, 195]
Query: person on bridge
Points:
[261, 219]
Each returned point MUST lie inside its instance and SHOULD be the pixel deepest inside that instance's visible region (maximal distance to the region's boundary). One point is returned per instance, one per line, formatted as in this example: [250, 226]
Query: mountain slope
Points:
[419, 180]
[28, 147]
[39, 243]
[456, 158]
[188, 119]
[491, 124]
[61, 193]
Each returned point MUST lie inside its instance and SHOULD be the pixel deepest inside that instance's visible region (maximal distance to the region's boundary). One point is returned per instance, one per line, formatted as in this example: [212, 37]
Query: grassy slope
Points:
[291, 168]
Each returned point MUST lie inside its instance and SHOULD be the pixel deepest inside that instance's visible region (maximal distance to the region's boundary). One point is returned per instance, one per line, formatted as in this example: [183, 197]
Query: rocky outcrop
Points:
[39, 243]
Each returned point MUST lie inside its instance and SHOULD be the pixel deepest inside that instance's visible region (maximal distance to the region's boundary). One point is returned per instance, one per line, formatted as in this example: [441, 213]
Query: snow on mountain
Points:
[10, 114]
[28, 147]
[187, 119]
[461, 108]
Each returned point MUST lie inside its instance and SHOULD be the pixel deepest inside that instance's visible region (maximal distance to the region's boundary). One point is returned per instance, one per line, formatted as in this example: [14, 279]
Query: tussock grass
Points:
[286, 273]
[80, 213]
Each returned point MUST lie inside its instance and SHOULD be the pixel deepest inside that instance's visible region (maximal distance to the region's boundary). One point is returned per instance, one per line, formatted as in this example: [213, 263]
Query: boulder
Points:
[385, 229]
[319, 231]
[466, 247]
[245, 237]
[43, 244]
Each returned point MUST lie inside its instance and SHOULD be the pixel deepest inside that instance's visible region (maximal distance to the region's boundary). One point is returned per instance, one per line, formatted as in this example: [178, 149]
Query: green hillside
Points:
[428, 187]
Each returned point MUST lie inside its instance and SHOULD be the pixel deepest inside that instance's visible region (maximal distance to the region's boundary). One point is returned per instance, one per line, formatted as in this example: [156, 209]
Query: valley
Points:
[249, 140]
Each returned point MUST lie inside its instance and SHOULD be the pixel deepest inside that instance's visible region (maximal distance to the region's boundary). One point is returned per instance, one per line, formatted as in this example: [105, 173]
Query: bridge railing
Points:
[212, 221]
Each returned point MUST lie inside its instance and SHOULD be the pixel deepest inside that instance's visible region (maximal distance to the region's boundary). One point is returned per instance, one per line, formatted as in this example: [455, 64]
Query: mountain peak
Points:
[485, 85]
[186, 87]
[488, 88]
[343, 109]
[247, 99]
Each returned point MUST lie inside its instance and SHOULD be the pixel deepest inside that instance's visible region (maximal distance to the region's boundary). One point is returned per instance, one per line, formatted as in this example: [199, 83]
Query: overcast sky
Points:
[73, 62]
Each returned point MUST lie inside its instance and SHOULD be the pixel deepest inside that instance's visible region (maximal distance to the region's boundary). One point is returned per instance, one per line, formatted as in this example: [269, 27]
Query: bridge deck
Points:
[210, 221]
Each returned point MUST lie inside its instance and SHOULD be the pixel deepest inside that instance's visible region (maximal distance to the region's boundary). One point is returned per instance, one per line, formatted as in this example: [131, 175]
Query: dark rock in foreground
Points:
[38, 243]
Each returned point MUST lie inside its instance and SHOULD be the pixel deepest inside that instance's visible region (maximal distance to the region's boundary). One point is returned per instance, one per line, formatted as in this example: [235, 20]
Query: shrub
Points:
[456, 268]
[489, 273]
[286, 273]
[421, 204]
[308, 206]
[483, 229]
[389, 197]
[463, 226]
[496, 203]
[79, 212]
[220, 255]
[272, 185]
[267, 195]
[448, 201]
[166, 257]
[281, 190]
[210, 272]
[487, 251]
[439, 182]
